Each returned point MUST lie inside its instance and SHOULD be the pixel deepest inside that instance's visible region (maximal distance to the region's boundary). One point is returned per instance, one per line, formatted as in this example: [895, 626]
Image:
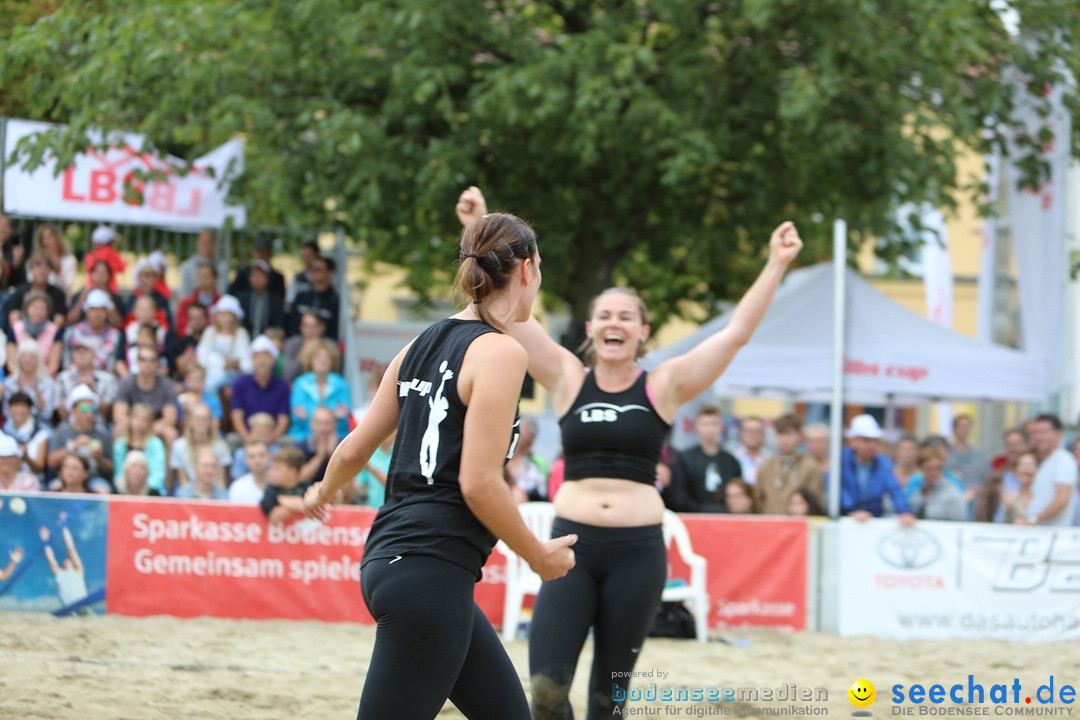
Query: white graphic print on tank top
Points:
[429, 445]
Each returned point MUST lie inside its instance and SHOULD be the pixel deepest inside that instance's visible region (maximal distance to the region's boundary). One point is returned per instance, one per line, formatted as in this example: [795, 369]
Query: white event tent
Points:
[892, 356]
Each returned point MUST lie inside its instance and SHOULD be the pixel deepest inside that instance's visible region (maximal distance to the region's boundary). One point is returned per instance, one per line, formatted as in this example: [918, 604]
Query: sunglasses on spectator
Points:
[86, 407]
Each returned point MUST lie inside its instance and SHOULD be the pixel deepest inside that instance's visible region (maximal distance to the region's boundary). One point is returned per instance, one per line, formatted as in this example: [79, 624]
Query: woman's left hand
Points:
[785, 243]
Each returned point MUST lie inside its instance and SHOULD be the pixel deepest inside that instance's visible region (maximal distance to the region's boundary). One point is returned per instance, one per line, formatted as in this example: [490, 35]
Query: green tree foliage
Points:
[652, 142]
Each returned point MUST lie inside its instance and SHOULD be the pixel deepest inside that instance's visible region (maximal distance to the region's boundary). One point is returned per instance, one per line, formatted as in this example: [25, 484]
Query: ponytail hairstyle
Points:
[491, 249]
[586, 349]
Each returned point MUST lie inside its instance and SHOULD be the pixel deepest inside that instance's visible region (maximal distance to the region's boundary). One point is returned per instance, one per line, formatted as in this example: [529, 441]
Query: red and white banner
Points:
[96, 186]
[958, 580]
[223, 560]
[757, 568]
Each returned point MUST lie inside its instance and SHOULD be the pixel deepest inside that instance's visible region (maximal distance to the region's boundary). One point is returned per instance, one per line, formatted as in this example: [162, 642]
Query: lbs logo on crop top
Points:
[605, 412]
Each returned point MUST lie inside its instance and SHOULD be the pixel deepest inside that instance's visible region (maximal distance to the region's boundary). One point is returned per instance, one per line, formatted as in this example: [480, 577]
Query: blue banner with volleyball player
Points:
[52, 554]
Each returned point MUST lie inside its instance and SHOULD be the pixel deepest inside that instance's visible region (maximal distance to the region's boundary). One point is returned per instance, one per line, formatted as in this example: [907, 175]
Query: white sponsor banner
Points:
[94, 187]
[959, 580]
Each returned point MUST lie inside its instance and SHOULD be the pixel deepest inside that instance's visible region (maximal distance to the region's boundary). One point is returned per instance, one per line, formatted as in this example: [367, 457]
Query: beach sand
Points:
[122, 668]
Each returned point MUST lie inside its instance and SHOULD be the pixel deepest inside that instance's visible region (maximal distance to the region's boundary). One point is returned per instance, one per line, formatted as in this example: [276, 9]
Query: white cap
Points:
[8, 446]
[264, 344]
[103, 234]
[229, 304]
[97, 298]
[864, 426]
[157, 260]
[80, 393]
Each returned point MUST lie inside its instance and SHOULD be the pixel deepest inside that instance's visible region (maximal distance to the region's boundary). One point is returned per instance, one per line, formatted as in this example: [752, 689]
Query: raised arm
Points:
[683, 378]
[73, 552]
[488, 421]
[550, 364]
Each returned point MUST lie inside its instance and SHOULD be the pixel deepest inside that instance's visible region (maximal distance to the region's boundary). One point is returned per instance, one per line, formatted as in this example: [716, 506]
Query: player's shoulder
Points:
[498, 348]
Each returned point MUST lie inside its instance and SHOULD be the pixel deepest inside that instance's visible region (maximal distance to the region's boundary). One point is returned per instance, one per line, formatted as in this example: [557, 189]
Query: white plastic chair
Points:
[520, 579]
[695, 593]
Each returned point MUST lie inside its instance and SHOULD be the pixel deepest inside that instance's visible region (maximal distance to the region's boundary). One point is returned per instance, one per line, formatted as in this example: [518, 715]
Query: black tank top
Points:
[425, 512]
[612, 435]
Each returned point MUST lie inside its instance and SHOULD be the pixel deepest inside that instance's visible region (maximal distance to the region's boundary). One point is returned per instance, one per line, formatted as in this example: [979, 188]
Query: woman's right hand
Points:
[557, 558]
[314, 506]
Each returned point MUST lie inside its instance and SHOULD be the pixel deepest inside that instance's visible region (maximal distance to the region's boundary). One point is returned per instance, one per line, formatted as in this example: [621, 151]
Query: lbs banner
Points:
[959, 580]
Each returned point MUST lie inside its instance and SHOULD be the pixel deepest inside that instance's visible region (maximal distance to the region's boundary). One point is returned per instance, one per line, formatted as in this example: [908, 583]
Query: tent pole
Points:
[836, 415]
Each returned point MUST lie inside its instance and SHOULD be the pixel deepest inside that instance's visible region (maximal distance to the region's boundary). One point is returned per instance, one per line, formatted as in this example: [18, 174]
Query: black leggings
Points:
[433, 643]
[615, 588]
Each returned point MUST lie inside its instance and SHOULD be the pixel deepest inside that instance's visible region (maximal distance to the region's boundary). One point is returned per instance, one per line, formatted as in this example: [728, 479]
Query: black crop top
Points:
[613, 435]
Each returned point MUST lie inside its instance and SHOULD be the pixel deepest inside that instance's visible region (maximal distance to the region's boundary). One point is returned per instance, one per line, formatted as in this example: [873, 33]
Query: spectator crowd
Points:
[224, 386]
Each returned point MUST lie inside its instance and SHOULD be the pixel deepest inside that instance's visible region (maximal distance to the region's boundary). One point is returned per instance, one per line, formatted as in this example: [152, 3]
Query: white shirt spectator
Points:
[1059, 468]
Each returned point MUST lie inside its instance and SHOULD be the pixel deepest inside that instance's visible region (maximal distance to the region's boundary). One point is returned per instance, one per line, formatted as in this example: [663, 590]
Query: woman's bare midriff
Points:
[607, 502]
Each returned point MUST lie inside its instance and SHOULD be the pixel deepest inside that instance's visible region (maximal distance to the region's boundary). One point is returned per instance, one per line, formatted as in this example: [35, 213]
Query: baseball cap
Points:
[264, 344]
[80, 393]
[229, 304]
[97, 298]
[261, 265]
[864, 426]
[103, 234]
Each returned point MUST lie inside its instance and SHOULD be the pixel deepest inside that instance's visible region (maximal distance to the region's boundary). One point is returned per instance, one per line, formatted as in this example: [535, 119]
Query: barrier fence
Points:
[150, 557]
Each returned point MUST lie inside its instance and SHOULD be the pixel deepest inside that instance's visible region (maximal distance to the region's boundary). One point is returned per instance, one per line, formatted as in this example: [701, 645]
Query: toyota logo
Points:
[909, 548]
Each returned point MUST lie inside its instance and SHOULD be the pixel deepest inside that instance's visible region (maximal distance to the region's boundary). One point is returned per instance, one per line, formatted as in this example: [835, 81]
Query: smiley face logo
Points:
[862, 693]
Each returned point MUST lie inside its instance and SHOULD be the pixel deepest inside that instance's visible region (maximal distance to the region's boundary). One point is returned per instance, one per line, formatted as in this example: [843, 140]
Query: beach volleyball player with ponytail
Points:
[452, 397]
[614, 418]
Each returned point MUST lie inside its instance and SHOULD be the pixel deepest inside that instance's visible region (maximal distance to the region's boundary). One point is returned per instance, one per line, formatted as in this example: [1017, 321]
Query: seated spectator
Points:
[204, 252]
[284, 496]
[739, 497]
[260, 392]
[51, 244]
[12, 478]
[144, 315]
[106, 341]
[76, 475]
[31, 434]
[319, 387]
[200, 431]
[103, 238]
[312, 330]
[261, 249]
[866, 475]
[321, 298]
[160, 264]
[301, 282]
[39, 282]
[206, 485]
[29, 376]
[260, 429]
[81, 435]
[699, 474]
[139, 436]
[82, 371]
[193, 392]
[250, 487]
[145, 337]
[34, 325]
[146, 385]
[206, 293]
[319, 445]
[225, 347]
[935, 498]
[373, 477]
[263, 308]
[803, 503]
[783, 473]
[527, 470]
[1016, 503]
[183, 349]
[100, 278]
[134, 477]
[146, 278]
[277, 336]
